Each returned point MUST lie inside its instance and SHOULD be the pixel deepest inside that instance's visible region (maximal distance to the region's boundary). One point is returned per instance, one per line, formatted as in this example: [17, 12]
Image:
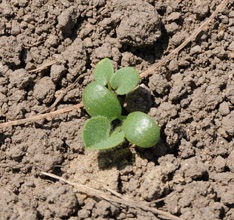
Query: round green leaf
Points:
[125, 80]
[98, 100]
[103, 71]
[141, 130]
[96, 134]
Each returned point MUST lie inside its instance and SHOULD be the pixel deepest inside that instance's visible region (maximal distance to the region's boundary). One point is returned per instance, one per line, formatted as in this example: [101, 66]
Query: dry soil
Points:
[191, 97]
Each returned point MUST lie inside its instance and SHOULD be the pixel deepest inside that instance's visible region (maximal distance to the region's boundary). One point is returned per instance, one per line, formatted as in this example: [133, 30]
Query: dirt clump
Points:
[190, 173]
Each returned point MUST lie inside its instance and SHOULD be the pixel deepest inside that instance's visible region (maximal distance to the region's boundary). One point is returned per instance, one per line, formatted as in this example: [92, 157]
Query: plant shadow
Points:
[153, 153]
[118, 157]
[138, 100]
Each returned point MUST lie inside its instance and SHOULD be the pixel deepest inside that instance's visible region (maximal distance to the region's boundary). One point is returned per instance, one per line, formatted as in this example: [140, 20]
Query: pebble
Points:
[20, 78]
[230, 161]
[228, 123]
[173, 66]
[44, 90]
[174, 16]
[195, 50]
[230, 92]
[15, 28]
[52, 40]
[231, 46]
[103, 51]
[231, 14]
[67, 20]
[172, 28]
[224, 108]
[219, 164]
[202, 10]
[56, 72]
[83, 213]
[178, 38]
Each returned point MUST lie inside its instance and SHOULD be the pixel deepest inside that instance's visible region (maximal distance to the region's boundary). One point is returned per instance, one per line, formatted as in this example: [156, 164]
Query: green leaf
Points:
[103, 71]
[96, 134]
[98, 100]
[125, 80]
[140, 129]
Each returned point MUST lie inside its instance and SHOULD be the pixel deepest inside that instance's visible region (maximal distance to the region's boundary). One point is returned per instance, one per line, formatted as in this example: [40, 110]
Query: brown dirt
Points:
[192, 168]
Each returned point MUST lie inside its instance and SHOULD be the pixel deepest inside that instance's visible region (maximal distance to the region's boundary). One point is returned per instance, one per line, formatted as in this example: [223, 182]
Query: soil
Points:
[189, 174]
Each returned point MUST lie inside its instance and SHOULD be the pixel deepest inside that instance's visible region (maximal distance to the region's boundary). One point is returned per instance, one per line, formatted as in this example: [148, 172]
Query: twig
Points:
[189, 39]
[101, 184]
[142, 75]
[99, 194]
[41, 116]
[43, 66]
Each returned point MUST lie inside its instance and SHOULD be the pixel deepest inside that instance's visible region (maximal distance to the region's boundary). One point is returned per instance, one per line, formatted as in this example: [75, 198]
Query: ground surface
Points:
[192, 99]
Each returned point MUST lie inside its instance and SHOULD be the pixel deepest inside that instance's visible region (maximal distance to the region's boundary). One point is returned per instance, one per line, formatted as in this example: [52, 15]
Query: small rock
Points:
[172, 28]
[178, 38]
[99, 3]
[52, 40]
[202, 10]
[103, 51]
[75, 55]
[196, 194]
[154, 185]
[212, 96]
[183, 63]
[231, 46]
[6, 9]
[173, 66]
[230, 92]
[195, 50]
[186, 149]
[15, 28]
[10, 50]
[83, 213]
[89, 204]
[178, 89]
[22, 3]
[67, 20]
[16, 111]
[231, 14]
[86, 30]
[158, 84]
[62, 197]
[20, 78]
[44, 90]
[17, 96]
[3, 98]
[56, 72]
[174, 16]
[103, 208]
[219, 164]
[224, 108]
[228, 123]
[220, 52]
[224, 19]
[167, 110]
[227, 194]
[193, 168]
[230, 161]
[139, 27]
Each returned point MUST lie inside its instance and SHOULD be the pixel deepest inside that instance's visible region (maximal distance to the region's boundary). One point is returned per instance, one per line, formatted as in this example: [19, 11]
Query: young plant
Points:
[101, 101]
[141, 130]
[98, 100]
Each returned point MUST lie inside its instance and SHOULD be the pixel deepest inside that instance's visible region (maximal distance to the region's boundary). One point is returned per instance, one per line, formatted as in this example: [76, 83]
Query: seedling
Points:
[98, 100]
[140, 129]
[101, 101]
